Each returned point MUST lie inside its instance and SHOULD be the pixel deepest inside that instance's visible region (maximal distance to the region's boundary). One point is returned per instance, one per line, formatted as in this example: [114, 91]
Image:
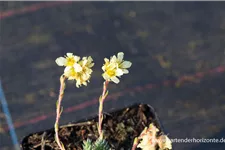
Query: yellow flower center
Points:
[70, 61]
[111, 73]
[73, 73]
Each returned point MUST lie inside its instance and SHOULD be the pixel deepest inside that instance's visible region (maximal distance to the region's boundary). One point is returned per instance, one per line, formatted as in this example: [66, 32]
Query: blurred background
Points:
[177, 50]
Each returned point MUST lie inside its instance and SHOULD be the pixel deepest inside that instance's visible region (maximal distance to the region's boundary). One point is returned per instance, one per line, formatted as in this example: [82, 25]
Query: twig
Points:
[47, 143]
[43, 141]
[78, 124]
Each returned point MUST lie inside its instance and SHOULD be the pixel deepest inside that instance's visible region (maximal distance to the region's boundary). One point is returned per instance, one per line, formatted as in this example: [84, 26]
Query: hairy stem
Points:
[100, 113]
[58, 111]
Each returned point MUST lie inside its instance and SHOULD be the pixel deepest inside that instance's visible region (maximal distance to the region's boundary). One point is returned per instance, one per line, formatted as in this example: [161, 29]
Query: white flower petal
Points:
[69, 54]
[106, 60]
[77, 84]
[115, 80]
[90, 59]
[103, 68]
[70, 78]
[125, 71]
[113, 59]
[88, 71]
[120, 56]
[111, 66]
[61, 61]
[76, 58]
[67, 69]
[91, 65]
[85, 83]
[84, 62]
[85, 76]
[119, 72]
[105, 76]
[126, 64]
[77, 67]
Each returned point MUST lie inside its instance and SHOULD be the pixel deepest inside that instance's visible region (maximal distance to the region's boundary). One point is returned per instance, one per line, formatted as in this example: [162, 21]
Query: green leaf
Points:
[87, 145]
[101, 144]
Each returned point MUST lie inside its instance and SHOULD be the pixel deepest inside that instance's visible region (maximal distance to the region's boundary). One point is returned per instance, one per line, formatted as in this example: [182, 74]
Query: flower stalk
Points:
[59, 111]
[112, 69]
[100, 112]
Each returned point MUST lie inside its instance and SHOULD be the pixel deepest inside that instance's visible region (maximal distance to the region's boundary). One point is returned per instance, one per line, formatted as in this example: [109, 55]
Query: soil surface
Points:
[120, 128]
[177, 51]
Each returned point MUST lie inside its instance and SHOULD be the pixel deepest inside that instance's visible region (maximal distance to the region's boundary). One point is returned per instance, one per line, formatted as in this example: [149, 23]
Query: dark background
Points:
[180, 43]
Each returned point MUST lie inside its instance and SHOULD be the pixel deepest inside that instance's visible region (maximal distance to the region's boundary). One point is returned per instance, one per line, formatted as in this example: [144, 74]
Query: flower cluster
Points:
[115, 67]
[76, 68]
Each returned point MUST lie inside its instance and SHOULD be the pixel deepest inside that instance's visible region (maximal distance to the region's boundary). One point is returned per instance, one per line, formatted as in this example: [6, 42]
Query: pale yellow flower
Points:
[68, 60]
[76, 69]
[115, 67]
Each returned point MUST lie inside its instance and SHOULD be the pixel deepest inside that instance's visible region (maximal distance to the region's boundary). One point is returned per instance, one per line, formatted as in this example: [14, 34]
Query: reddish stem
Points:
[100, 115]
[58, 109]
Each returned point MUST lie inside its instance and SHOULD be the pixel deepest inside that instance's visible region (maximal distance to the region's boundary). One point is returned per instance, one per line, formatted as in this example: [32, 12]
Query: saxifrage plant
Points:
[80, 70]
